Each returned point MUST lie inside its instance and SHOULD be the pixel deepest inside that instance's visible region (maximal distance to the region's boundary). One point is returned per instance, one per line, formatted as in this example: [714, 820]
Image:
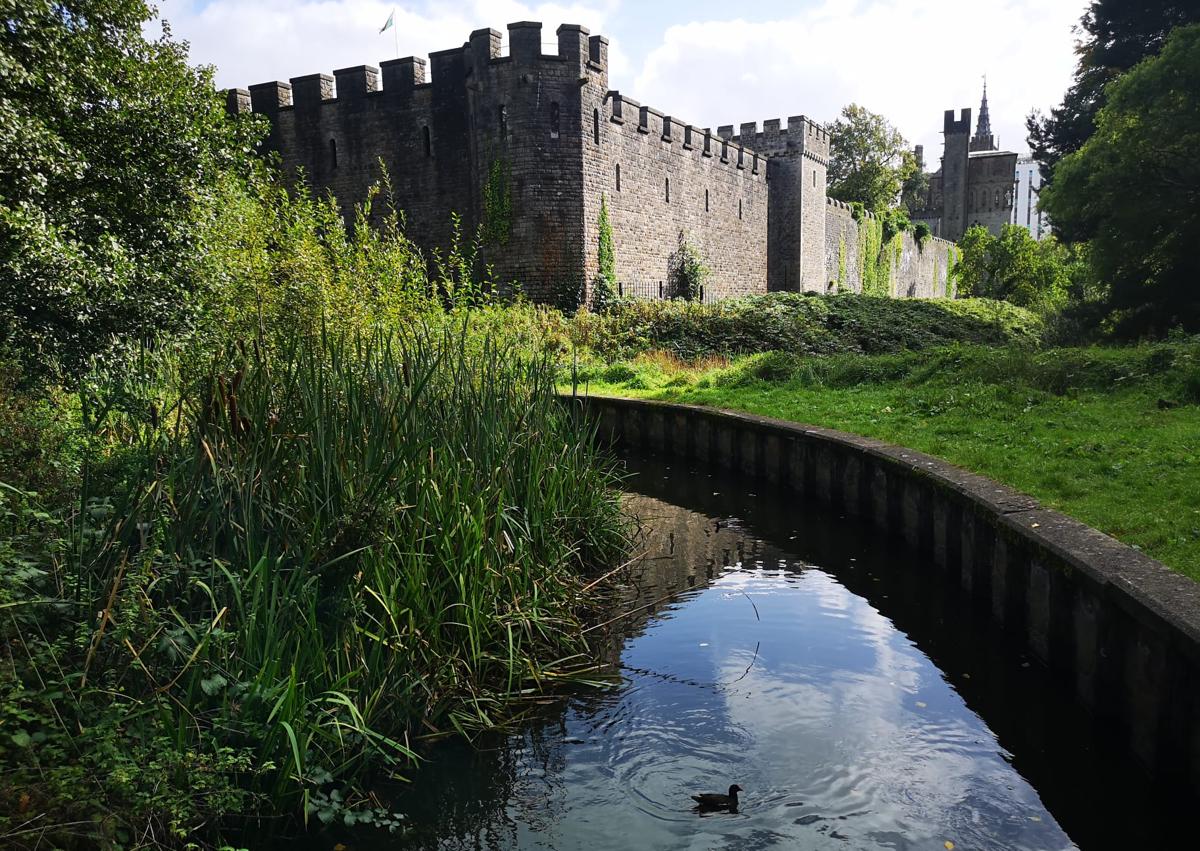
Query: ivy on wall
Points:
[497, 205]
[605, 288]
[841, 273]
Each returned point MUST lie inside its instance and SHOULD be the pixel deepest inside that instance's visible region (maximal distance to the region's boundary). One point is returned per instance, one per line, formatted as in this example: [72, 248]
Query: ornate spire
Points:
[983, 139]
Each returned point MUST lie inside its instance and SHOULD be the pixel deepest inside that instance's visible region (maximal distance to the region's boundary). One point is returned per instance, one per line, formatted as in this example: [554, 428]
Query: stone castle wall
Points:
[677, 183]
[914, 271]
[547, 129]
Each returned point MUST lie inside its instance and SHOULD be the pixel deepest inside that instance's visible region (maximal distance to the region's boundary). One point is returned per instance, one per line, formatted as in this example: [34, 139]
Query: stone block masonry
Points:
[525, 145]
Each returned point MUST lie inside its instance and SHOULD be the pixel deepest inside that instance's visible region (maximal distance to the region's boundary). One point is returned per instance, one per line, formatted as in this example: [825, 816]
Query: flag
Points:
[389, 22]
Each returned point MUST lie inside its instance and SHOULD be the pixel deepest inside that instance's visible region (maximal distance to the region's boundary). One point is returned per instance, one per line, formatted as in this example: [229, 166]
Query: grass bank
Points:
[1108, 435]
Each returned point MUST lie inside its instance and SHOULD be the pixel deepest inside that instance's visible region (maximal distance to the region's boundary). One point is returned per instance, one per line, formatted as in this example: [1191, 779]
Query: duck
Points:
[715, 801]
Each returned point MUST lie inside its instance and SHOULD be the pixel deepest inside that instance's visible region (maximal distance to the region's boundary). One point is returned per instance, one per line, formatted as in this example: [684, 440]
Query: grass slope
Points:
[1110, 436]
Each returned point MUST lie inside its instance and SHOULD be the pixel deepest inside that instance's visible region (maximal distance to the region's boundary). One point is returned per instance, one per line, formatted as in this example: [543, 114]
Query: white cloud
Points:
[908, 61]
[275, 40]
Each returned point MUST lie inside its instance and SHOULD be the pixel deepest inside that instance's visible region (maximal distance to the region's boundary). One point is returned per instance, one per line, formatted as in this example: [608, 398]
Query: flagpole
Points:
[396, 35]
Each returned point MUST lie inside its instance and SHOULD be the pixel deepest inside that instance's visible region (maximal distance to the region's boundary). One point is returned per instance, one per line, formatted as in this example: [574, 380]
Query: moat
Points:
[856, 698]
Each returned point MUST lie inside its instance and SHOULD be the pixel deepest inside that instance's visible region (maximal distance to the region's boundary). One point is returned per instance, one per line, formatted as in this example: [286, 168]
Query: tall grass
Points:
[320, 550]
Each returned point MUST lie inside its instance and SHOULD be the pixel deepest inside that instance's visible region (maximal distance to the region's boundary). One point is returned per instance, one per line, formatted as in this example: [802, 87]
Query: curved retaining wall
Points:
[1121, 627]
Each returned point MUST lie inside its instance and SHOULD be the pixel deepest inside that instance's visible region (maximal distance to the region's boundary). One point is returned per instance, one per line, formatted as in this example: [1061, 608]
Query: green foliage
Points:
[914, 191]
[687, 271]
[799, 323]
[111, 153]
[497, 205]
[1016, 268]
[1132, 189]
[921, 234]
[605, 287]
[869, 160]
[284, 260]
[298, 567]
[1117, 35]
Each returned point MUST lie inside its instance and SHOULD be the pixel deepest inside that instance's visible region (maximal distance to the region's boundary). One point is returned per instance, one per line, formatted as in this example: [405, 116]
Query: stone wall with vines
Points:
[867, 254]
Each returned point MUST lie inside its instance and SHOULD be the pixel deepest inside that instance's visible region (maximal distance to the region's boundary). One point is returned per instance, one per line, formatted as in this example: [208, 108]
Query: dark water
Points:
[847, 687]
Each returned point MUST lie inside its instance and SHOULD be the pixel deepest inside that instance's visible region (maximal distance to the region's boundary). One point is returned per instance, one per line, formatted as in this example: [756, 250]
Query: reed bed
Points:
[312, 555]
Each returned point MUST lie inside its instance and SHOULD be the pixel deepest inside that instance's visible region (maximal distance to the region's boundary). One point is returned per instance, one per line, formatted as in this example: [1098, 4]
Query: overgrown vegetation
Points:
[798, 323]
[1014, 267]
[1108, 435]
[687, 271]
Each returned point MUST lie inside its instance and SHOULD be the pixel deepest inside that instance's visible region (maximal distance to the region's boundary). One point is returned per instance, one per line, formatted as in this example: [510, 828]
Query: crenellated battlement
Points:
[652, 123]
[801, 136]
[962, 125]
[400, 77]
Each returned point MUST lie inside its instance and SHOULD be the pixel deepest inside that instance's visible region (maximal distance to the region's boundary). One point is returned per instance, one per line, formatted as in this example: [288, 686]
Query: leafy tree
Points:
[915, 191]
[110, 149]
[869, 160]
[1134, 187]
[1014, 267]
[1117, 35]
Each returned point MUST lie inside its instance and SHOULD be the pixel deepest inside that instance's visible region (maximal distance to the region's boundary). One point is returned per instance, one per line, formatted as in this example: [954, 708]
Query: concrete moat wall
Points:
[1121, 628]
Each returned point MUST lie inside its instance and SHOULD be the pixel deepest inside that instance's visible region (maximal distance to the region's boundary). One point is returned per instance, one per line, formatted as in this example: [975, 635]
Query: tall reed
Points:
[335, 544]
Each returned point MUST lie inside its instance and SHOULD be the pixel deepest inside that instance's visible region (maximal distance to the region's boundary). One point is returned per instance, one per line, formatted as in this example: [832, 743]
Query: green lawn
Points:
[1110, 436]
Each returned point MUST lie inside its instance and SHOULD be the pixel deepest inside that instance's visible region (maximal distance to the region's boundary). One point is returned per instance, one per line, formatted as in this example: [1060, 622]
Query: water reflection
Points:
[806, 659]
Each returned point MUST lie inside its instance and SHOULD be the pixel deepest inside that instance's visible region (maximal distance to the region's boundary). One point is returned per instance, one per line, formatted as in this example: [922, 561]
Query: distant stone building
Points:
[1025, 210]
[527, 144]
[975, 184]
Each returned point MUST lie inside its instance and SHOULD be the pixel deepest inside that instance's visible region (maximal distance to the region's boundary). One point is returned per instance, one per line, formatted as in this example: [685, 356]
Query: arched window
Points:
[618, 177]
[428, 143]
[333, 153]
[596, 126]
[667, 189]
[554, 119]
[503, 121]
[996, 196]
[814, 177]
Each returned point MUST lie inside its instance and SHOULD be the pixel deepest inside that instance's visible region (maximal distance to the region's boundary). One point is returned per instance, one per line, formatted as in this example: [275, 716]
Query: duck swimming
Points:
[714, 801]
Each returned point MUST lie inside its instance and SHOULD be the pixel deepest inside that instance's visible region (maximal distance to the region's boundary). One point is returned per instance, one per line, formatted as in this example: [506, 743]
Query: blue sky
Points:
[707, 62]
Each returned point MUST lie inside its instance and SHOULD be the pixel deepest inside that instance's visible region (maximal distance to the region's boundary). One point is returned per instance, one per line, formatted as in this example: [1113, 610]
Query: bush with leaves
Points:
[1015, 267]
[687, 271]
[111, 154]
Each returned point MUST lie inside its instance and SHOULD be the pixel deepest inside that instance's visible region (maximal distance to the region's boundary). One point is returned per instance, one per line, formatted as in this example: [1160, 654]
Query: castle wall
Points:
[543, 135]
[717, 202]
[914, 271]
[798, 160]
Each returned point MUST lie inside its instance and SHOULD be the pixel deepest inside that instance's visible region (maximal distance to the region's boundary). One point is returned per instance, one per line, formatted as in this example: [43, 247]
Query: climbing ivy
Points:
[921, 234]
[880, 247]
[841, 275]
[605, 288]
[497, 205]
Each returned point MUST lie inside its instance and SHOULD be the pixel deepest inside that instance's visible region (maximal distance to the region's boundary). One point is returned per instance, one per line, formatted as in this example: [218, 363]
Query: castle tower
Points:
[983, 140]
[954, 173]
